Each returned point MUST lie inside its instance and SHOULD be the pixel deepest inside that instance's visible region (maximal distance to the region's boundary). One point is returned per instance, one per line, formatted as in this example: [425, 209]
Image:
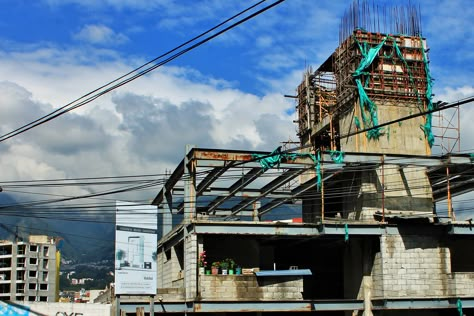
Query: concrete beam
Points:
[421, 303]
[270, 229]
[297, 306]
[461, 229]
[246, 306]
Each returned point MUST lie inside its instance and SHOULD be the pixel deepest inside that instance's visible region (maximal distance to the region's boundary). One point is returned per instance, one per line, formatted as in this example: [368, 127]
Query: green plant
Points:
[216, 264]
[224, 265]
[231, 263]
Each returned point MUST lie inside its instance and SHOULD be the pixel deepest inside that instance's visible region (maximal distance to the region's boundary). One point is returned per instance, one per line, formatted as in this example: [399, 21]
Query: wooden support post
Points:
[383, 189]
[357, 129]
[140, 311]
[450, 206]
[322, 189]
[331, 133]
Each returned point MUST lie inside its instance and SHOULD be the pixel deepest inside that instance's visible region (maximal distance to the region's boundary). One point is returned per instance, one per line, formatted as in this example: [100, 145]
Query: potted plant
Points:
[202, 263]
[215, 267]
[231, 264]
[224, 267]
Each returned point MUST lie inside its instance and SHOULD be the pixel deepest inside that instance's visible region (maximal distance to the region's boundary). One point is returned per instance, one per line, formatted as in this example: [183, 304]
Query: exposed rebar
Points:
[376, 18]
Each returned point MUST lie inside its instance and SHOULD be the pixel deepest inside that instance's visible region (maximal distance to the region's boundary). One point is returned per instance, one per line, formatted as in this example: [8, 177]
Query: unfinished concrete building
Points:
[28, 270]
[344, 224]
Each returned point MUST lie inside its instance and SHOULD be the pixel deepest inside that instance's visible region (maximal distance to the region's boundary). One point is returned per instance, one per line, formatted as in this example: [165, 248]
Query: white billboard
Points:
[135, 248]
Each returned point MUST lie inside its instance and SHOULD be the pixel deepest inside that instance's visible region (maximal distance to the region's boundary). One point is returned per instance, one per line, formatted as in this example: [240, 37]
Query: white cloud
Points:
[100, 34]
[143, 126]
[264, 41]
[450, 94]
[117, 4]
[140, 128]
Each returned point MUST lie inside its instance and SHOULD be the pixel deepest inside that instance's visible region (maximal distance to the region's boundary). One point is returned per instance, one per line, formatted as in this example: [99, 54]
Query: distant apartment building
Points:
[28, 270]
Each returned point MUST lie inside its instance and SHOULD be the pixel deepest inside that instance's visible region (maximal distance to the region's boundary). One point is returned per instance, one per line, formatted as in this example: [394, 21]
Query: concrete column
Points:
[13, 270]
[367, 289]
[189, 186]
[167, 213]
[190, 265]
[367, 278]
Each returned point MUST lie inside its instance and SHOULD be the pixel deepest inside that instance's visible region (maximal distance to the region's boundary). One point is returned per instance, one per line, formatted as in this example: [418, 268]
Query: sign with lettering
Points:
[135, 248]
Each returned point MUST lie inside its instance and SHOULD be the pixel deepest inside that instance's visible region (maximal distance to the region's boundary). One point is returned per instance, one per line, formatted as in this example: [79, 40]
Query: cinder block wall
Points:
[190, 265]
[162, 279]
[461, 284]
[168, 268]
[248, 287]
[411, 265]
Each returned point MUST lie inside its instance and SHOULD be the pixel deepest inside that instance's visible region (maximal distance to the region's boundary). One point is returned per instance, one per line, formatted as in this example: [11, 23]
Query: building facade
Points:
[28, 270]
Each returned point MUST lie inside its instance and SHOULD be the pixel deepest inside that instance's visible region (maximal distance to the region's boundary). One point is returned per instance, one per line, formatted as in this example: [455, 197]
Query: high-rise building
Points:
[28, 270]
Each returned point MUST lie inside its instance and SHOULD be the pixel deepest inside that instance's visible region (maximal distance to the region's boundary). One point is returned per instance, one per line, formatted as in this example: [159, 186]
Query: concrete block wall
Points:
[249, 287]
[168, 268]
[411, 265]
[160, 275]
[165, 275]
[171, 294]
[461, 284]
[377, 277]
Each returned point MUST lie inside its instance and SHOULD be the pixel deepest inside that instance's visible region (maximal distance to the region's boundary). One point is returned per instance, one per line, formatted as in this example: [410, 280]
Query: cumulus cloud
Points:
[100, 34]
[144, 126]
[140, 128]
[159, 130]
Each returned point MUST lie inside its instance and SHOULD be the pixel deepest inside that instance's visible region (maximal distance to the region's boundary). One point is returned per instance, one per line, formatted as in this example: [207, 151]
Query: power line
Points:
[140, 71]
[441, 108]
[148, 184]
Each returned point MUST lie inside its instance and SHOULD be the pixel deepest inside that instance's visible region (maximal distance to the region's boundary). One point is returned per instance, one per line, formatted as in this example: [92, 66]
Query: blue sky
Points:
[227, 93]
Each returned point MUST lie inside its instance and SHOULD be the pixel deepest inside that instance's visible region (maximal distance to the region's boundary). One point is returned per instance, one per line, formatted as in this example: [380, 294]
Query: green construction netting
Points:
[429, 85]
[368, 57]
[337, 156]
[268, 161]
[276, 157]
[364, 101]
[357, 122]
[318, 171]
[346, 232]
[368, 105]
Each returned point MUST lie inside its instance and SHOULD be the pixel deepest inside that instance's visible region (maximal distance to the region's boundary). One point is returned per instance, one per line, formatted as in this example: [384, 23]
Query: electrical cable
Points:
[89, 97]
[328, 193]
[441, 108]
